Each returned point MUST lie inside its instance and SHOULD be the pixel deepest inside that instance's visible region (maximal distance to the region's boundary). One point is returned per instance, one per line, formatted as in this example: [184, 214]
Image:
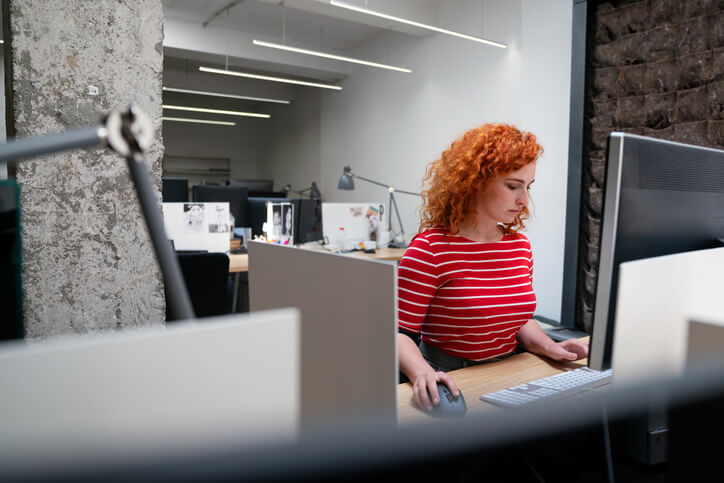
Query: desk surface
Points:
[481, 379]
[240, 262]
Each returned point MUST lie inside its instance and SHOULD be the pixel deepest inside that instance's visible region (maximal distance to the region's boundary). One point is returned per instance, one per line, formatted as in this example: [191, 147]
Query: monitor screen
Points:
[236, 196]
[308, 223]
[257, 213]
[267, 194]
[174, 190]
[660, 197]
[253, 184]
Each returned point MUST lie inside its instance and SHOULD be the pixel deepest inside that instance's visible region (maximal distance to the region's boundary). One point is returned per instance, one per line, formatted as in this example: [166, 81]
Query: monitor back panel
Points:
[657, 297]
[348, 331]
[149, 392]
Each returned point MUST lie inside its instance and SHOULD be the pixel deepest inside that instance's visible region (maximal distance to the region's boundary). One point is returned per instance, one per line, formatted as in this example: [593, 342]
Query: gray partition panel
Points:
[348, 328]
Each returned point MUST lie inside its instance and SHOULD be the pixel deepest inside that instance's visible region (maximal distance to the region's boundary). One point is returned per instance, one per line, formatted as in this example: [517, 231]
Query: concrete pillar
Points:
[88, 261]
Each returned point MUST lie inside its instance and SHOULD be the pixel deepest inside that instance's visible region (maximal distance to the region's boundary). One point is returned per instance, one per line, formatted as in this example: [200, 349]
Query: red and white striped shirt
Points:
[464, 297]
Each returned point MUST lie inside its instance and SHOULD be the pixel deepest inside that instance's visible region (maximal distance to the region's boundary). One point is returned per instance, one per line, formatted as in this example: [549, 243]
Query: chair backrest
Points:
[207, 281]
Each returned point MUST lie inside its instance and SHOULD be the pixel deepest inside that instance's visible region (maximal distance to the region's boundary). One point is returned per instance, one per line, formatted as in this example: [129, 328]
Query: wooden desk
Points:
[238, 262]
[380, 254]
[484, 378]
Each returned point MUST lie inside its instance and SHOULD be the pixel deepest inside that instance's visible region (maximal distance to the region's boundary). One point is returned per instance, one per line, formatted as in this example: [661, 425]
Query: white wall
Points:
[545, 110]
[289, 142]
[387, 126]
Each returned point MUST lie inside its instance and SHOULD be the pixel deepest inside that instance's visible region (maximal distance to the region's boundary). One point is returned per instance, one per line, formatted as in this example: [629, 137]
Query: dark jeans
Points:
[442, 361]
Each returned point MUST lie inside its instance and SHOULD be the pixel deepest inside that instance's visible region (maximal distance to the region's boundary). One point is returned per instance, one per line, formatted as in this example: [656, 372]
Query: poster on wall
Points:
[198, 226]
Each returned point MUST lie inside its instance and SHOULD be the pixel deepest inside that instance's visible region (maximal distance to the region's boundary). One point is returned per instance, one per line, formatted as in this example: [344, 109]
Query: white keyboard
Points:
[557, 386]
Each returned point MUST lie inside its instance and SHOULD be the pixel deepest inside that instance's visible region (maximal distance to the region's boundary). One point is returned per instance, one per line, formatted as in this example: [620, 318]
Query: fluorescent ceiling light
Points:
[328, 56]
[264, 77]
[216, 111]
[221, 94]
[416, 24]
[199, 121]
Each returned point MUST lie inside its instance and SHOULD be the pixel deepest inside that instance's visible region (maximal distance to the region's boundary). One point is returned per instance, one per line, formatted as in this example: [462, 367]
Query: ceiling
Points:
[220, 32]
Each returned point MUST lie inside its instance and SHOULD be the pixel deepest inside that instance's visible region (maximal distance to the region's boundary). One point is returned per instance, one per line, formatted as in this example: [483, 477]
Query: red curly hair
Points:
[467, 167]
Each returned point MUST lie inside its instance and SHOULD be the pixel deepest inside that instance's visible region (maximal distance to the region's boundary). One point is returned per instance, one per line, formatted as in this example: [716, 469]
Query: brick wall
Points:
[655, 68]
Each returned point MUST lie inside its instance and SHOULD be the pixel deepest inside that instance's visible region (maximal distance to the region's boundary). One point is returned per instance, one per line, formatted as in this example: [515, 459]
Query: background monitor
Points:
[174, 190]
[660, 197]
[253, 184]
[11, 293]
[308, 223]
[257, 213]
[236, 196]
[267, 194]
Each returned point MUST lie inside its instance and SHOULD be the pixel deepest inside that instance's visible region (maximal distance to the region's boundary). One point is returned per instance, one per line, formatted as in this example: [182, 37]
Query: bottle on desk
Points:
[341, 237]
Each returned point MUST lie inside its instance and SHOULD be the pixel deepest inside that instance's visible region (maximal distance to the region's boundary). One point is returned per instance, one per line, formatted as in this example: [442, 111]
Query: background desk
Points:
[477, 380]
[238, 263]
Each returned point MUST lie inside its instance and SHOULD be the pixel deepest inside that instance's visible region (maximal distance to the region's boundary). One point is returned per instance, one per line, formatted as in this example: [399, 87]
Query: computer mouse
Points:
[449, 405]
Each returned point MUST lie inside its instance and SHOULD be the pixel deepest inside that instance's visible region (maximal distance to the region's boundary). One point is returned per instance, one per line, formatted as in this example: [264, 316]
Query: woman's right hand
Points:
[425, 385]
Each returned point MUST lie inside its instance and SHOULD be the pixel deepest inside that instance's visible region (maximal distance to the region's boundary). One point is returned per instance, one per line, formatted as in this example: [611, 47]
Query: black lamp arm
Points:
[128, 133]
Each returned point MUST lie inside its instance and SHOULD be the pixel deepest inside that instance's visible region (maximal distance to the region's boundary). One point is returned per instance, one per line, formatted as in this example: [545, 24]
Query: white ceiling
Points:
[310, 24]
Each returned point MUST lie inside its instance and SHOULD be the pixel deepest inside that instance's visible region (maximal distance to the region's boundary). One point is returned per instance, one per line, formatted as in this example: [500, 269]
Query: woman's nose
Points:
[523, 199]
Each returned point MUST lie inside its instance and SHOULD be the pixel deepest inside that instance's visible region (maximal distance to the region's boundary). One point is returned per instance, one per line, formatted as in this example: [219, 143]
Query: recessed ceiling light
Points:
[268, 78]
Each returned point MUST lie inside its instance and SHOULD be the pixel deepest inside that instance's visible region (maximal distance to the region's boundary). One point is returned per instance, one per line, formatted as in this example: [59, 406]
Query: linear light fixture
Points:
[416, 24]
[199, 121]
[221, 94]
[268, 78]
[328, 56]
[216, 111]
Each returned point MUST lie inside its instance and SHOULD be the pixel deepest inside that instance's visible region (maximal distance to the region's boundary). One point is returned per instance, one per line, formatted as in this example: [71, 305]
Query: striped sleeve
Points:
[417, 280]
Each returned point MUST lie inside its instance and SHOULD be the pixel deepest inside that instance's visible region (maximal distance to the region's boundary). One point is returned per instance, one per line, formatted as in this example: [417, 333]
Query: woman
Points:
[465, 282]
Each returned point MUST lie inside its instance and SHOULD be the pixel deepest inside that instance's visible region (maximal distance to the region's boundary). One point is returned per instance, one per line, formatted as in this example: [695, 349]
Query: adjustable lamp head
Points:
[346, 182]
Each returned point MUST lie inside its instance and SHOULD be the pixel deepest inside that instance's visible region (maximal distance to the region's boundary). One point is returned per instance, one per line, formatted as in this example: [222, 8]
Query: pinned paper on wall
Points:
[373, 218]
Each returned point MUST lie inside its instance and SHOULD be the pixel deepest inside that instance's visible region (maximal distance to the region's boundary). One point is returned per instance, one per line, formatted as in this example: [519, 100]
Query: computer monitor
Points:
[348, 307]
[660, 197]
[257, 213]
[267, 194]
[11, 293]
[254, 184]
[174, 190]
[236, 196]
[308, 223]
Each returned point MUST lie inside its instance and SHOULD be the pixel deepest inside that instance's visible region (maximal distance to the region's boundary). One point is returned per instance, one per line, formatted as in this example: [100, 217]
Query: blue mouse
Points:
[449, 404]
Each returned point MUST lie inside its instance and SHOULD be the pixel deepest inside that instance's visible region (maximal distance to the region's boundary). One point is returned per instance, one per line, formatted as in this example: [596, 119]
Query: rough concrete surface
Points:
[88, 261]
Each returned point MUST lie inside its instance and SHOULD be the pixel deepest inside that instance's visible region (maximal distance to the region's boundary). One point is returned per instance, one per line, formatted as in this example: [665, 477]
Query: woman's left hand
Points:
[568, 350]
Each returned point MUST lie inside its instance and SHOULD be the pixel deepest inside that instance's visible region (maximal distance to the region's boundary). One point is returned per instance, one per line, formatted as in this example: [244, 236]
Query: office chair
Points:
[208, 282]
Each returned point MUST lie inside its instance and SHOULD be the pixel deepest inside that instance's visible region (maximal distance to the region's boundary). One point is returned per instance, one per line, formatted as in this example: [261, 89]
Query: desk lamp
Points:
[313, 192]
[346, 182]
[128, 133]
